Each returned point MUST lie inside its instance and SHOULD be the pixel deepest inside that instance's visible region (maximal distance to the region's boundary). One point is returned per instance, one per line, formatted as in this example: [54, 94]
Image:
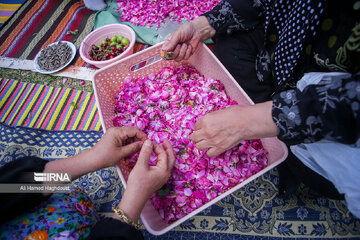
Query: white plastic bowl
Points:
[73, 53]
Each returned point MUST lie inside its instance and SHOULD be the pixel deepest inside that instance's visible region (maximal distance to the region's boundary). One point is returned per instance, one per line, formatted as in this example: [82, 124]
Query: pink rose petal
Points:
[167, 105]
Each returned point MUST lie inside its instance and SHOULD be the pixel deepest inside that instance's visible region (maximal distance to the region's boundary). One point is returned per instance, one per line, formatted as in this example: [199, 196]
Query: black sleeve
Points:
[329, 110]
[15, 204]
[233, 15]
[111, 229]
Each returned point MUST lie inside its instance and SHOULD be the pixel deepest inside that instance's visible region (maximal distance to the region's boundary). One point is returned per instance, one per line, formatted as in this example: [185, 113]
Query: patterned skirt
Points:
[62, 216]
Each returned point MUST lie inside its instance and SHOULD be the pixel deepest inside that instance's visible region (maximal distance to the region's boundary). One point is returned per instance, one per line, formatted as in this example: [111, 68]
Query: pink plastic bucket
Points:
[107, 31]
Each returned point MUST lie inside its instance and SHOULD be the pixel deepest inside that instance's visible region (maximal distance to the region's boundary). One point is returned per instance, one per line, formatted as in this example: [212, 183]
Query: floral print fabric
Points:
[227, 17]
[62, 216]
[330, 110]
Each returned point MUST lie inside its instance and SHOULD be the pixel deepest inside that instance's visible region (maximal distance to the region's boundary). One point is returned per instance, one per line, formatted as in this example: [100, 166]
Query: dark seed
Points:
[54, 56]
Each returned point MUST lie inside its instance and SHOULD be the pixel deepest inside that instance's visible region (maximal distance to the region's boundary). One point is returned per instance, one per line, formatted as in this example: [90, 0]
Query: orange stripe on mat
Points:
[79, 62]
[62, 24]
[19, 27]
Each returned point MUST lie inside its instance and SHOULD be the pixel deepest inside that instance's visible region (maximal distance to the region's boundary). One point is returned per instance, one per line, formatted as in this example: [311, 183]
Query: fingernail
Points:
[148, 143]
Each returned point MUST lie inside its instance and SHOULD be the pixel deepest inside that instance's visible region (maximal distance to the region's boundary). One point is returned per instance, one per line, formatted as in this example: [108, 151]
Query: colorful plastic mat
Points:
[38, 23]
[254, 212]
[7, 8]
[44, 107]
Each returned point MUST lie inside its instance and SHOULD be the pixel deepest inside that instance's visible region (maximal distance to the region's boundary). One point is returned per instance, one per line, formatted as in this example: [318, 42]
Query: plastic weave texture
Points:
[108, 80]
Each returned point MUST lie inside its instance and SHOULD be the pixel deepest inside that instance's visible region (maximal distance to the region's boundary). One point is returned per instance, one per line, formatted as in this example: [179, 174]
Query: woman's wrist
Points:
[264, 125]
[203, 28]
[254, 121]
[76, 166]
[132, 204]
[96, 158]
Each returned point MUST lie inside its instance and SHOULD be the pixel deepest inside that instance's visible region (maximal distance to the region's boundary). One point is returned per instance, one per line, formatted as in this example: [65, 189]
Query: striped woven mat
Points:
[39, 23]
[7, 8]
[44, 107]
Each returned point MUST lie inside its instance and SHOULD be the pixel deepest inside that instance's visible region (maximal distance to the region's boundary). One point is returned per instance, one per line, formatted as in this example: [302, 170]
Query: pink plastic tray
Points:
[108, 80]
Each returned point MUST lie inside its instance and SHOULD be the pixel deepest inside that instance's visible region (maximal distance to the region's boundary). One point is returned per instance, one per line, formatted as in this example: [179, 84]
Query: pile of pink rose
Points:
[149, 13]
[167, 106]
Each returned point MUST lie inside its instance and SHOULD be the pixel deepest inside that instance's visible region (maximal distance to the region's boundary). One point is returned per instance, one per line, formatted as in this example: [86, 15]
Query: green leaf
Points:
[181, 151]
[169, 55]
[74, 105]
[165, 190]
[167, 130]
[73, 32]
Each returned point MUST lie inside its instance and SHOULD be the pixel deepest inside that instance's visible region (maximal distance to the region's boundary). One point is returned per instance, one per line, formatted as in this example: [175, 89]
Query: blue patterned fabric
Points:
[254, 212]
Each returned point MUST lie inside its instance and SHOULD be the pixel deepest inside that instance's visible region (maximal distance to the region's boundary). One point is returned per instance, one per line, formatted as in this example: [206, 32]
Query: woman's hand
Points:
[144, 180]
[221, 130]
[184, 41]
[116, 144]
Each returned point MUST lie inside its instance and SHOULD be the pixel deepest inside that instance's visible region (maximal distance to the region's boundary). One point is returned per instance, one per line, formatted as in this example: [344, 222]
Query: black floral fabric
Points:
[228, 17]
[329, 110]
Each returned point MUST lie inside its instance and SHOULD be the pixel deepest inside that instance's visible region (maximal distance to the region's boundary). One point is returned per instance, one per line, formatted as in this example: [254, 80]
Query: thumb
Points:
[171, 42]
[214, 151]
[198, 124]
[145, 153]
[130, 149]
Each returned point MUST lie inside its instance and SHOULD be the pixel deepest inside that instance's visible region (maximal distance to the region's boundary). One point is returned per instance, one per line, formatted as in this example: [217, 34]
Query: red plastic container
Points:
[108, 80]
